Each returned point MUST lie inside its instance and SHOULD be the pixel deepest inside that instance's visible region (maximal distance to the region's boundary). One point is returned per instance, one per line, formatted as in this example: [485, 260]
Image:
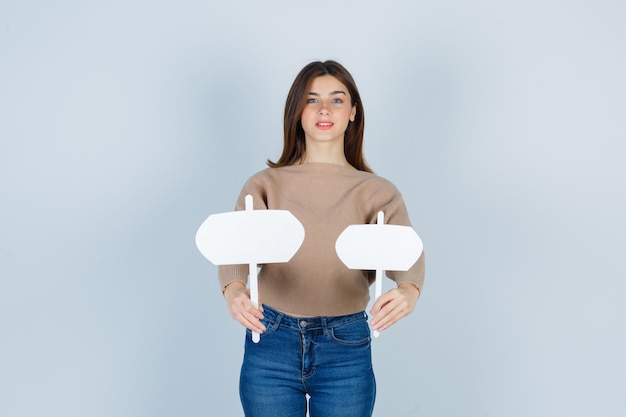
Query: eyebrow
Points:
[332, 93]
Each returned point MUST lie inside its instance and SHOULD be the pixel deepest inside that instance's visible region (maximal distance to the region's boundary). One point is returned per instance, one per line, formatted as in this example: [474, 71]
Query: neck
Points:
[329, 153]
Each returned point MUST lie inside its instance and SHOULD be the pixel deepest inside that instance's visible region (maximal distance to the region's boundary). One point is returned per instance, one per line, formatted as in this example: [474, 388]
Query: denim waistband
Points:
[276, 318]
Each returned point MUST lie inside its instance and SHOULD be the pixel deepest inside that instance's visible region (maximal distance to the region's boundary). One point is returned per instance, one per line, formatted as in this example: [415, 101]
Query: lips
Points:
[324, 124]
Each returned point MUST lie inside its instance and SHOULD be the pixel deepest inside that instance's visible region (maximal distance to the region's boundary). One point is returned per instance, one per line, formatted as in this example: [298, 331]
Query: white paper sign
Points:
[250, 237]
[379, 247]
[373, 246]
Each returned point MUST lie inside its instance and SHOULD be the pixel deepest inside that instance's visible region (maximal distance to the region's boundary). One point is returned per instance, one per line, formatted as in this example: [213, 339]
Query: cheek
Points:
[307, 114]
[342, 111]
[307, 119]
[346, 114]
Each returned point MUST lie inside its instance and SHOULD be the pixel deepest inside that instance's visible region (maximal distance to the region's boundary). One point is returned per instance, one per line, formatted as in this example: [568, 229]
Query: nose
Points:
[324, 108]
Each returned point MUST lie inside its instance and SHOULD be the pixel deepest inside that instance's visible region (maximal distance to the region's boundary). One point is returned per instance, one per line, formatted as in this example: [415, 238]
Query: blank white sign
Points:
[379, 246]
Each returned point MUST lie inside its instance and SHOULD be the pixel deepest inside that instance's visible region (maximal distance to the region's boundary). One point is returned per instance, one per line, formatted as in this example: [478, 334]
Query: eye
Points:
[311, 101]
[337, 100]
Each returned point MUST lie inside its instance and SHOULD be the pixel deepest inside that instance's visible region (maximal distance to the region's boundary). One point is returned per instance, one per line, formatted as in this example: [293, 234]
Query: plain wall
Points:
[124, 124]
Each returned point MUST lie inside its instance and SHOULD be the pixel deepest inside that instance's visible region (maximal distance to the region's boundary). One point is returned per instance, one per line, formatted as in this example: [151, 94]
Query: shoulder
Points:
[260, 176]
[339, 177]
[380, 184]
[267, 179]
[267, 175]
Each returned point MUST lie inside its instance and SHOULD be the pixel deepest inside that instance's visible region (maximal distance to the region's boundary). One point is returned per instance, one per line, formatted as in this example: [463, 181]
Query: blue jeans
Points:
[328, 358]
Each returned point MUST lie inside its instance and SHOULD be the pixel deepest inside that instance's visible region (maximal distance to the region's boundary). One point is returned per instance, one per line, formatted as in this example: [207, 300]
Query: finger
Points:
[385, 299]
[242, 304]
[251, 322]
[400, 310]
[389, 319]
[253, 314]
[253, 311]
[382, 314]
[248, 310]
[381, 302]
[255, 325]
[248, 306]
[390, 313]
[247, 315]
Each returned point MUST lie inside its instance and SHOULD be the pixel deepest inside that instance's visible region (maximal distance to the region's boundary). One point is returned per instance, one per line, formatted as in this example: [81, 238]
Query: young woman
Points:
[315, 339]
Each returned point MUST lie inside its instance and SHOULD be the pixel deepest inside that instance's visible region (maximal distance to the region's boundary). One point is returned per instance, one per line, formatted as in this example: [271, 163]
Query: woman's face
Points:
[328, 110]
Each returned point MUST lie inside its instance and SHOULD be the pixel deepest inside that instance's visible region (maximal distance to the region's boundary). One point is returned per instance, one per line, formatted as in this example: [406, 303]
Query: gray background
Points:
[124, 124]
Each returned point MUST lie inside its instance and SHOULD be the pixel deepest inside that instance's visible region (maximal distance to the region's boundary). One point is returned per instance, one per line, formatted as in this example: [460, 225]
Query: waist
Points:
[310, 323]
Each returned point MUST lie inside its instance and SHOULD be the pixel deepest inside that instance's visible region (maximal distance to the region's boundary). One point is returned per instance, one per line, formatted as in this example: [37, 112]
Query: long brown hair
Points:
[294, 139]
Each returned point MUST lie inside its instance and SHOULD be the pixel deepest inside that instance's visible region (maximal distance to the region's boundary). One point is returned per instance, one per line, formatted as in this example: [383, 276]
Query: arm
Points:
[233, 278]
[240, 307]
[399, 302]
[394, 305]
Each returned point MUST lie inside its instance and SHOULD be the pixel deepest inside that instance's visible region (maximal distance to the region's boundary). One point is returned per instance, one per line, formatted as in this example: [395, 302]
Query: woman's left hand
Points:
[393, 305]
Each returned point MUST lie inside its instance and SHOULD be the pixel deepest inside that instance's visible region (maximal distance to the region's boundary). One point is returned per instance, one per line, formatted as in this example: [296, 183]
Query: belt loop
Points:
[324, 325]
[279, 317]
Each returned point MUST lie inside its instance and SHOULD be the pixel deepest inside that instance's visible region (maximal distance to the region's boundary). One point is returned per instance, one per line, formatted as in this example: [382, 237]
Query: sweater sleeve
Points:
[230, 273]
[396, 213]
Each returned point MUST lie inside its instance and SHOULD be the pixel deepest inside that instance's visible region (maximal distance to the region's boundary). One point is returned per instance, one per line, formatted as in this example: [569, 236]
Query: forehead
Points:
[326, 84]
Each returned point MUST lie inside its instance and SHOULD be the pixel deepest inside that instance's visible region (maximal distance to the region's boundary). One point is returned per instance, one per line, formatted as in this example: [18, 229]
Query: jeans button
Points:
[303, 323]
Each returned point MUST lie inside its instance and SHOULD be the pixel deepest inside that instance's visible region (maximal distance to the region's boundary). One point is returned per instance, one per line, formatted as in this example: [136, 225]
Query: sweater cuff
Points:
[414, 275]
[227, 274]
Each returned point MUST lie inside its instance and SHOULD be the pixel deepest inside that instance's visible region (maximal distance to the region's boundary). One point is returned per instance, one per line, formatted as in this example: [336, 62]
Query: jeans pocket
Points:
[270, 327]
[354, 333]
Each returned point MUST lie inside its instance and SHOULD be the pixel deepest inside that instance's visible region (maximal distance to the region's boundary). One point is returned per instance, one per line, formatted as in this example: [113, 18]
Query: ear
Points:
[353, 113]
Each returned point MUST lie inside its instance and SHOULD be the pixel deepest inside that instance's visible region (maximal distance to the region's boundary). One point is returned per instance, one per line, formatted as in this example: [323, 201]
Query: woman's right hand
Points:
[240, 307]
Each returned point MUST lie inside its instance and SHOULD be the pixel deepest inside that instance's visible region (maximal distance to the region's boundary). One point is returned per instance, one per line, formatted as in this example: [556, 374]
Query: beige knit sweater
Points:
[325, 198]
